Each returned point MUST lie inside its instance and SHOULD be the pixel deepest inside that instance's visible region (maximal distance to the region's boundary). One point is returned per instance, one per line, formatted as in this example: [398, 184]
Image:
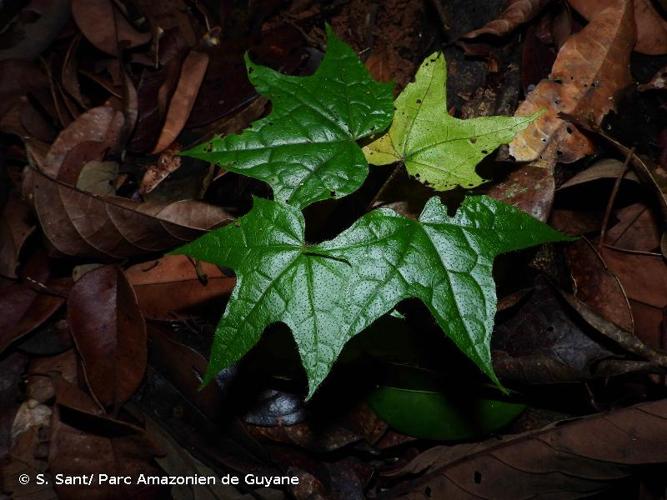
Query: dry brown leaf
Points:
[651, 27]
[571, 459]
[516, 13]
[110, 334]
[168, 286]
[105, 27]
[192, 75]
[85, 225]
[97, 129]
[15, 227]
[644, 279]
[596, 286]
[658, 82]
[167, 162]
[591, 67]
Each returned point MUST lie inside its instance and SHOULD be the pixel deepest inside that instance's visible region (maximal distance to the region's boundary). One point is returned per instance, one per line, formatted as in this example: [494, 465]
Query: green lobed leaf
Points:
[306, 148]
[438, 149]
[328, 293]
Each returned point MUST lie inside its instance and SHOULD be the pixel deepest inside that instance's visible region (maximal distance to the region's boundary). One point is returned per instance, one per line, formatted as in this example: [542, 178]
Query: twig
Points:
[441, 14]
[612, 197]
[397, 169]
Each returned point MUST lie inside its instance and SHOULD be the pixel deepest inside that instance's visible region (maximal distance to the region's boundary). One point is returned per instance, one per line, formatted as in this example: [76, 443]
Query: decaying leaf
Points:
[172, 284]
[96, 130]
[15, 227]
[651, 26]
[26, 305]
[110, 334]
[328, 293]
[517, 13]
[105, 26]
[438, 149]
[83, 224]
[192, 75]
[575, 458]
[591, 67]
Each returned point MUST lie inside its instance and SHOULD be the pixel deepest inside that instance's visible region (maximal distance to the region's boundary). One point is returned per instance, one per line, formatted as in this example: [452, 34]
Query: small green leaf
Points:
[438, 149]
[328, 293]
[306, 148]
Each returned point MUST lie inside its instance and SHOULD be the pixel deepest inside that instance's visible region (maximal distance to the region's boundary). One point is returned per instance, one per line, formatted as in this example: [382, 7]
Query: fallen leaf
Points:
[644, 279]
[109, 332]
[75, 451]
[167, 287]
[83, 224]
[637, 229]
[105, 26]
[438, 149]
[596, 286]
[192, 75]
[100, 126]
[530, 188]
[98, 177]
[167, 162]
[516, 13]
[604, 169]
[543, 341]
[15, 227]
[591, 67]
[569, 459]
[651, 27]
[185, 367]
[38, 35]
[658, 82]
[26, 305]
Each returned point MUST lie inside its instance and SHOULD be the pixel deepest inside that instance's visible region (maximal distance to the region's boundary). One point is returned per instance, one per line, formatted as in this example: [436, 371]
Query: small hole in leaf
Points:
[419, 101]
[473, 140]
[333, 194]
[485, 152]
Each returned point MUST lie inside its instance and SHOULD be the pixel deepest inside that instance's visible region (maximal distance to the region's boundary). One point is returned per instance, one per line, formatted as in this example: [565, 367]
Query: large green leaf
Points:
[328, 293]
[306, 148]
[438, 149]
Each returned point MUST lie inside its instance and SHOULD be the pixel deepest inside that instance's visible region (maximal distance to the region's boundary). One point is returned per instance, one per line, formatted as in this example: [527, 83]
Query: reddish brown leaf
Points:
[518, 12]
[603, 169]
[91, 133]
[184, 367]
[530, 187]
[15, 227]
[73, 451]
[27, 305]
[644, 279]
[105, 27]
[170, 285]
[637, 229]
[596, 286]
[83, 224]
[109, 333]
[192, 75]
[38, 35]
[590, 68]
[167, 162]
[651, 27]
[568, 459]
